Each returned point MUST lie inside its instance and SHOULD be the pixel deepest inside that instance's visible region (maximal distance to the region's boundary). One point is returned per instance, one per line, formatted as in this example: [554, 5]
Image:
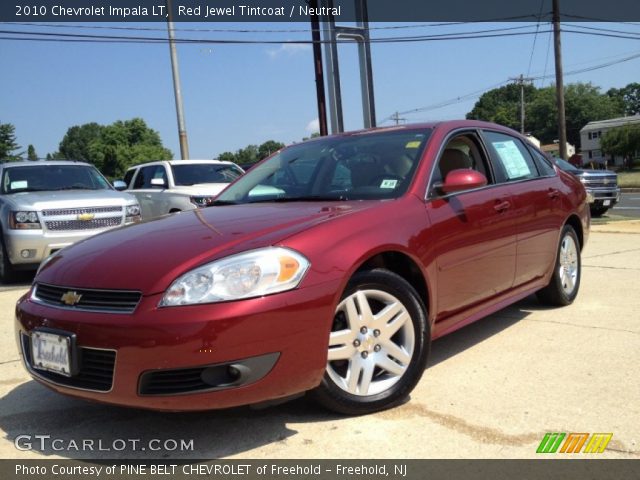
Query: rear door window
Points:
[510, 156]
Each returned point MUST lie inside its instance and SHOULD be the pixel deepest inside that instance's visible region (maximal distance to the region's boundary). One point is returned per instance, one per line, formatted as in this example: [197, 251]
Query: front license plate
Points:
[606, 203]
[51, 352]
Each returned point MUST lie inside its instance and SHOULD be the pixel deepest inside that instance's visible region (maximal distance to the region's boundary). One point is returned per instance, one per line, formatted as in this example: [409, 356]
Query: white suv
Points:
[47, 205]
[174, 185]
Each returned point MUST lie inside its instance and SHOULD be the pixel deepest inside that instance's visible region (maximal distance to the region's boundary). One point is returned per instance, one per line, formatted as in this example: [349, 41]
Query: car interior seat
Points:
[453, 159]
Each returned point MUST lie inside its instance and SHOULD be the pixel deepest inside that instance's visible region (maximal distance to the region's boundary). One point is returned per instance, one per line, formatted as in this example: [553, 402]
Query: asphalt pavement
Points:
[629, 205]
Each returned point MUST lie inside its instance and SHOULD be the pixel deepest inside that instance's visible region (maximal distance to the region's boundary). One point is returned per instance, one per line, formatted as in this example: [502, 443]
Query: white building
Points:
[591, 134]
[553, 149]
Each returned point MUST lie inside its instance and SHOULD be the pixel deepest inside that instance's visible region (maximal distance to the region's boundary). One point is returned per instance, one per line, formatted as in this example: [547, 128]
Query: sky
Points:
[235, 95]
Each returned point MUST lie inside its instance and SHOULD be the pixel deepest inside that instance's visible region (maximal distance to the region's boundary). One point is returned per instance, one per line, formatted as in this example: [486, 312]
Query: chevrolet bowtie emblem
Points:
[71, 298]
[85, 217]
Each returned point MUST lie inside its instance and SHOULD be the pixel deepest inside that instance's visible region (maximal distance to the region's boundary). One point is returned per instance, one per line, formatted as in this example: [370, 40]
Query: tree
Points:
[583, 104]
[502, 105]
[31, 153]
[8, 142]
[113, 148]
[227, 157]
[269, 147]
[628, 98]
[623, 141]
[75, 144]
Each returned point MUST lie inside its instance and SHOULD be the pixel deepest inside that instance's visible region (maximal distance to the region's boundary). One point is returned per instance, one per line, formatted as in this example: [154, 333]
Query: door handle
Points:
[501, 206]
[553, 193]
[148, 195]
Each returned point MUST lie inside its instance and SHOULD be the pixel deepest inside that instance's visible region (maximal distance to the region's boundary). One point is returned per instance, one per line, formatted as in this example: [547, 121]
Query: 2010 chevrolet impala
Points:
[327, 268]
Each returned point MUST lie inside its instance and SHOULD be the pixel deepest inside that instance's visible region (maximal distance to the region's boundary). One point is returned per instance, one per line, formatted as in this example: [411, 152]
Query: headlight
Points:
[202, 201]
[24, 220]
[132, 213]
[250, 274]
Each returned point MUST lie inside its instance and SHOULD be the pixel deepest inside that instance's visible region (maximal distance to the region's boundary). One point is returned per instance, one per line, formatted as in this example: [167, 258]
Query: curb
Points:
[630, 189]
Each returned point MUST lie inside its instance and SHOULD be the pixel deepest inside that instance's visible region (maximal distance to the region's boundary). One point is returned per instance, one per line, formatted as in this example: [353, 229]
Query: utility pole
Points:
[319, 72]
[521, 81]
[557, 46]
[396, 118]
[182, 129]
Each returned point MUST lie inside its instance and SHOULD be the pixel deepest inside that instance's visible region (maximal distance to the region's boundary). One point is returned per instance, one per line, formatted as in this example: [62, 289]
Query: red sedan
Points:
[328, 268]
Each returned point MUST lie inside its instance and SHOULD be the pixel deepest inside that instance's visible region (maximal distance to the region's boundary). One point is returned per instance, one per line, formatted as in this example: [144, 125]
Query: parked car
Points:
[601, 186]
[327, 268]
[45, 206]
[176, 185]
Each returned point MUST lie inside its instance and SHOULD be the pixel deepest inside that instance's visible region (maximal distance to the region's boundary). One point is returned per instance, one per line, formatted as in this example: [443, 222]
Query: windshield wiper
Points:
[224, 202]
[73, 187]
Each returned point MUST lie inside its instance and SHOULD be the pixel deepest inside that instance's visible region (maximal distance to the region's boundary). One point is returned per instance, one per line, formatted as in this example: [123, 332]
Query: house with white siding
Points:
[591, 134]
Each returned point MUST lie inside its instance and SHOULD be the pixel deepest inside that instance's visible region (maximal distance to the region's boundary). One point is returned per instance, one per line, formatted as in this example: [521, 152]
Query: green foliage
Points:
[8, 143]
[269, 147]
[623, 141]
[502, 105]
[251, 153]
[113, 148]
[583, 103]
[31, 153]
[628, 97]
[75, 143]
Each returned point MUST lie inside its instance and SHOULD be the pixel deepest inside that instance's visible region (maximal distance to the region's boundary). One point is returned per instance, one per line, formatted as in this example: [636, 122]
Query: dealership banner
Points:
[301, 10]
[318, 469]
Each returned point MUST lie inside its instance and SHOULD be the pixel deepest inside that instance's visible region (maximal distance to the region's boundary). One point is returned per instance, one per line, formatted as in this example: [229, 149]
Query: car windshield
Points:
[195, 173]
[564, 165]
[371, 165]
[44, 177]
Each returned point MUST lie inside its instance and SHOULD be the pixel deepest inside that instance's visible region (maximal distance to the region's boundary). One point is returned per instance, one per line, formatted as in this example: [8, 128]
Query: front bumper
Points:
[279, 340]
[601, 195]
[29, 247]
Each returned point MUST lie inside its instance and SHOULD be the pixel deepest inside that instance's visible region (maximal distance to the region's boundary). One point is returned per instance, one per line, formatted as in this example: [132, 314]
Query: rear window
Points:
[195, 173]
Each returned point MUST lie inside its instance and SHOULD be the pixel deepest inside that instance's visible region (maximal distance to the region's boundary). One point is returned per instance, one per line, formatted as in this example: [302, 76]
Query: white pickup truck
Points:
[174, 185]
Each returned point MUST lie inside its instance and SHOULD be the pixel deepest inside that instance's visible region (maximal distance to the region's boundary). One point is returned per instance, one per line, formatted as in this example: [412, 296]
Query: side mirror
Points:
[158, 182]
[462, 179]
[119, 185]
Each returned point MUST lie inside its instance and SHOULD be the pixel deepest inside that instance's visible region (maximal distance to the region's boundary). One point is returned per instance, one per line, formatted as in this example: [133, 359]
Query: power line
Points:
[453, 35]
[478, 93]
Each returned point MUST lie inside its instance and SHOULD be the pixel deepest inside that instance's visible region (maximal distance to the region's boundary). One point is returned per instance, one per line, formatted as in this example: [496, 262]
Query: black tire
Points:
[7, 273]
[409, 337]
[598, 211]
[559, 292]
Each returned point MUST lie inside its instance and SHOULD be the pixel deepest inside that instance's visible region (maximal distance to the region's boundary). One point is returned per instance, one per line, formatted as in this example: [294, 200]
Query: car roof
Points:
[181, 162]
[448, 124]
[33, 163]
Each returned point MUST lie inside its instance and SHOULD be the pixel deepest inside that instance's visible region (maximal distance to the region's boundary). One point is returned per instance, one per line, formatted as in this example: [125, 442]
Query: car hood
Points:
[201, 189]
[150, 255]
[68, 199]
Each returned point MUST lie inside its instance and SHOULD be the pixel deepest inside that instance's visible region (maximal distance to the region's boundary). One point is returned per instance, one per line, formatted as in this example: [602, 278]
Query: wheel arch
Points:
[403, 265]
[574, 221]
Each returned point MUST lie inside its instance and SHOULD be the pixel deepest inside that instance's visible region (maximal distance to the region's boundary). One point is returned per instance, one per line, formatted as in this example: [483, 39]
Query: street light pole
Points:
[182, 129]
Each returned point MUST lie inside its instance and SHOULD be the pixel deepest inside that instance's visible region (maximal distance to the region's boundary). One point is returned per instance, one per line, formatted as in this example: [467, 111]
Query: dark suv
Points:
[601, 186]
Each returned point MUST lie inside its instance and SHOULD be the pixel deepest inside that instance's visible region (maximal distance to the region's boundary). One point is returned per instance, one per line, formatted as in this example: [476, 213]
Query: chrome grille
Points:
[601, 182]
[83, 224]
[110, 301]
[79, 211]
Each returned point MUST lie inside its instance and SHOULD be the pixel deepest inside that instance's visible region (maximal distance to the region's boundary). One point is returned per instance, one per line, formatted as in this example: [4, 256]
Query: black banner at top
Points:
[300, 10]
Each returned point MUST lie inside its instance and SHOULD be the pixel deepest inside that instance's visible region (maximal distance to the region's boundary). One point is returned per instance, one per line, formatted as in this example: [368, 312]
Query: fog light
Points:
[28, 253]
